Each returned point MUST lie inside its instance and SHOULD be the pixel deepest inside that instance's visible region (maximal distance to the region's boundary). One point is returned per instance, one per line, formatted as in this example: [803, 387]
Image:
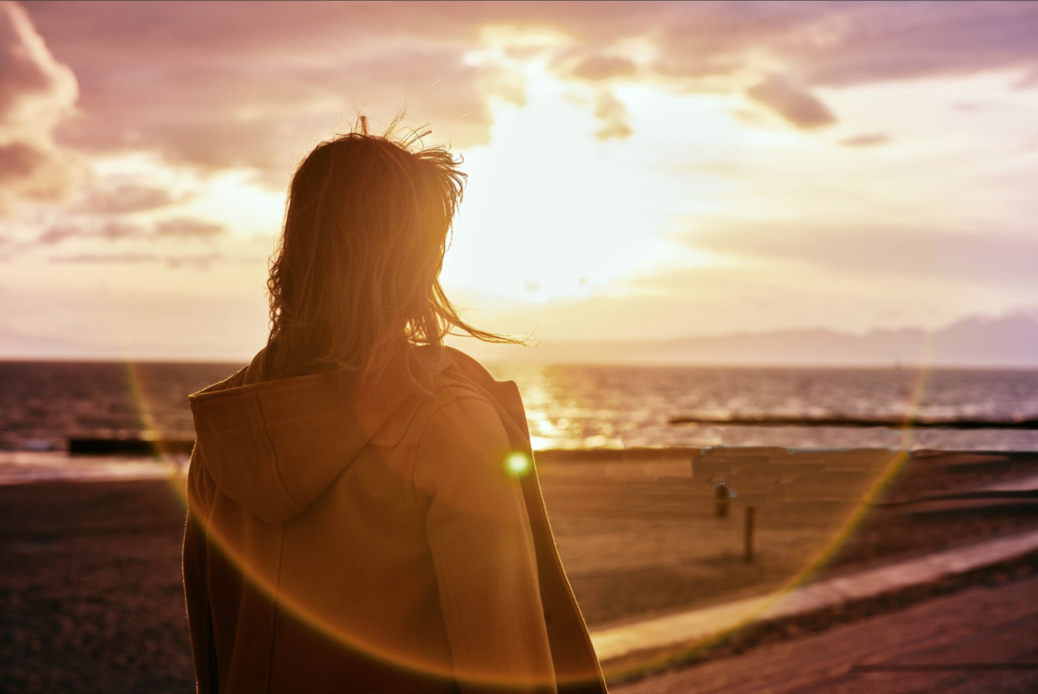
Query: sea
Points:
[569, 406]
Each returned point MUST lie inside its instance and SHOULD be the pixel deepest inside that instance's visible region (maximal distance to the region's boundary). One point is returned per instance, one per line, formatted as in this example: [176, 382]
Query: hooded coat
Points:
[374, 535]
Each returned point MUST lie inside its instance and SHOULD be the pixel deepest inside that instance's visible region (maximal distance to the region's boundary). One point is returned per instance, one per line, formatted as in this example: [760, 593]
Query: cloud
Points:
[798, 107]
[215, 91]
[106, 258]
[990, 259]
[113, 230]
[35, 87]
[867, 140]
[1028, 81]
[31, 170]
[125, 199]
[200, 262]
[184, 227]
[36, 94]
[210, 85]
[18, 160]
[178, 228]
[109, 231]
[603, 67]
[242, 115]
[877, 42]
[613, 114]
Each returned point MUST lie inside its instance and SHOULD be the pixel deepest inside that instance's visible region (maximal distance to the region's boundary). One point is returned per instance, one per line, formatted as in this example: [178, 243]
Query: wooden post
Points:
[748, 555]
[721, 496]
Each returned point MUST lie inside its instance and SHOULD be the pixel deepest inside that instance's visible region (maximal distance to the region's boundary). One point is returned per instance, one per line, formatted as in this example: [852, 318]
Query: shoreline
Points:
[19, 467]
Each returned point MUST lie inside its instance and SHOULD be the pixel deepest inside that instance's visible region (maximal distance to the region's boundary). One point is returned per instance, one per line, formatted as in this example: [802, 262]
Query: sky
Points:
[637, 171]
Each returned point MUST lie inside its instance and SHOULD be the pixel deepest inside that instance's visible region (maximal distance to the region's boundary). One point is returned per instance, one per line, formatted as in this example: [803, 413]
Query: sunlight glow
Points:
[237, 200]
[654, 196]
[553, 212]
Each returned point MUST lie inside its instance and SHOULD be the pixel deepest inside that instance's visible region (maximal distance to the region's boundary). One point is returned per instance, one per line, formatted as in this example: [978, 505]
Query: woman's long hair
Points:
[355, 276]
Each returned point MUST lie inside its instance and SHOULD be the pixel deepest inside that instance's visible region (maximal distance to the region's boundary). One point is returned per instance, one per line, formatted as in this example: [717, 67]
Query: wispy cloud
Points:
[613, 114]
[36, 94]
[991, 259]
[867, 140]
[107, 231]
[180, 228]
[200, 262]
[797, 106]
[125, 199]
[187, 228]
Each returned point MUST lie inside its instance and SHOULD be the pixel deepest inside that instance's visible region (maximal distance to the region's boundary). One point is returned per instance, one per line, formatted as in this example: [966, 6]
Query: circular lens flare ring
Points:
[518, 464]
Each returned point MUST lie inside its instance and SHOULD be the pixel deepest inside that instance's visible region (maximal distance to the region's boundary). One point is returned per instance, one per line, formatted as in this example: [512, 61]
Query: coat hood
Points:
[274, 445]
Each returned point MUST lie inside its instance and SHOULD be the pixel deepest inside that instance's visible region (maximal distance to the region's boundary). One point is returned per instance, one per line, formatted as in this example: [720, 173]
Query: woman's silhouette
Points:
[364, 514]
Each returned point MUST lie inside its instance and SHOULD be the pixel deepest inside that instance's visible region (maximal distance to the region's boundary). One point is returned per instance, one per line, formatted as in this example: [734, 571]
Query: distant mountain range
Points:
[1004, 341]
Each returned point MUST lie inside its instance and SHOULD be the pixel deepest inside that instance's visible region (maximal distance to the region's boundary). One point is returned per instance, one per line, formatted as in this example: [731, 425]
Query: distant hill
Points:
[990, 342]
[1005, 341]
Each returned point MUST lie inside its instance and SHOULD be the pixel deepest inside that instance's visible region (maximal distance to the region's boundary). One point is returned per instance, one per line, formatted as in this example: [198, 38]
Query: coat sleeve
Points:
[195, 582]
[482, 550]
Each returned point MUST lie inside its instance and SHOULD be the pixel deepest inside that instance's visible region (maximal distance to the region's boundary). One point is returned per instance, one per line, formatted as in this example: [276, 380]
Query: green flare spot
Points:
[517, 464]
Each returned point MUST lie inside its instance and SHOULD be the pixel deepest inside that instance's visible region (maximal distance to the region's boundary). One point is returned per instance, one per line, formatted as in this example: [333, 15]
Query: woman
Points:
[363, 511]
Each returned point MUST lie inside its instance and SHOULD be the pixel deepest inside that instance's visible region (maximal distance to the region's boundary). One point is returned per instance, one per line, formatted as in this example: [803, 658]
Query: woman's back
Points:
[366, 536]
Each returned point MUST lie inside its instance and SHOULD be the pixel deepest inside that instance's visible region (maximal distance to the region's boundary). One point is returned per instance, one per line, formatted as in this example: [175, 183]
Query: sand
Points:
[91, 599]
[90, 595]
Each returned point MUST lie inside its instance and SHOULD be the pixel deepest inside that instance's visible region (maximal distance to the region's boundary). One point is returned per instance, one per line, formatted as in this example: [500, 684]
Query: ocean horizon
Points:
[569, 406]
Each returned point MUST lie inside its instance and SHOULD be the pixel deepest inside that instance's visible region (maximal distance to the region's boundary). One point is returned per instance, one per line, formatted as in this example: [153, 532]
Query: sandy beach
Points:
[90, 595]
[91, 599]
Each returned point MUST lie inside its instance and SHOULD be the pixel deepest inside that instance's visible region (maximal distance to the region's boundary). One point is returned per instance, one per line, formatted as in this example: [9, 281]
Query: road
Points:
[983, 639]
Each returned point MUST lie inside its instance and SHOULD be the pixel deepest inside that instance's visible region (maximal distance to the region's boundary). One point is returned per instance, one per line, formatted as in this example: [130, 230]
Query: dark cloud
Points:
[19, 160]
[241, 115]
[867, 140]
[125, 199]
[877, 42]
[214, 89]
[184, 228]
[218, 85]
[603, 67]
[797, 106]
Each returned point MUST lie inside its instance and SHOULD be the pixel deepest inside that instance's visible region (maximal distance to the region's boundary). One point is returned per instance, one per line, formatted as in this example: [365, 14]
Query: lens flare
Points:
[517, 464]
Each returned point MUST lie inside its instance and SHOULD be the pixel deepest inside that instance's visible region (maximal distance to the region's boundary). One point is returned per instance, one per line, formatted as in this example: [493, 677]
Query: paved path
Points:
[982, 639]
[688, 627]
